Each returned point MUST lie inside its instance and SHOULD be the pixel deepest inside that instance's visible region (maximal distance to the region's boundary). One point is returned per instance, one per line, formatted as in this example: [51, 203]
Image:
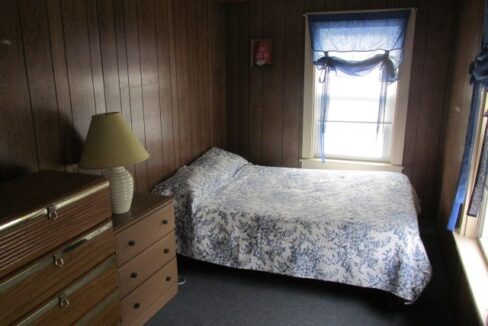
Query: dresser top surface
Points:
[39, 190]
[142, 205]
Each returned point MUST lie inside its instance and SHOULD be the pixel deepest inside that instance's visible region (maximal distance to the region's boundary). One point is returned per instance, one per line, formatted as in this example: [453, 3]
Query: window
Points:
[477, 227]
[351, 130]
[354, 137]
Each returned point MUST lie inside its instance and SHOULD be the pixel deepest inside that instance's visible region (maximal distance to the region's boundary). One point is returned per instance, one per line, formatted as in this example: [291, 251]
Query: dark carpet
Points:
[215, 295]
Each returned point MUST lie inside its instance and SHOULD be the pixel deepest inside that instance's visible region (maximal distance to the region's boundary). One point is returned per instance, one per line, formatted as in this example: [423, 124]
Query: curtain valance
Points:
[359, 32]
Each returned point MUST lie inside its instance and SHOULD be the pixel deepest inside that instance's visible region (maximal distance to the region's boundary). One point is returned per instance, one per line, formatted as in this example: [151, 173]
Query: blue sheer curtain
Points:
[382, 34]
[479, 77]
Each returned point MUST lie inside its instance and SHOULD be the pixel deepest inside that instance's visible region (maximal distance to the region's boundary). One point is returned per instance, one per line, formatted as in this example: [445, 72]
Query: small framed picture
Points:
[261, 52]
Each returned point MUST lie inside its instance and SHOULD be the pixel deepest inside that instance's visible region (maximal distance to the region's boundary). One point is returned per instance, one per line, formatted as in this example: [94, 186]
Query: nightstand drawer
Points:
[30, 235]
[145, 295]
[47, 276]
[138, 269]
[78, 298]
[141, 235]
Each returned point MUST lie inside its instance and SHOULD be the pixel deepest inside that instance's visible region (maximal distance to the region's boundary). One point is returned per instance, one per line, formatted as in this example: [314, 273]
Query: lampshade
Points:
[110, 143]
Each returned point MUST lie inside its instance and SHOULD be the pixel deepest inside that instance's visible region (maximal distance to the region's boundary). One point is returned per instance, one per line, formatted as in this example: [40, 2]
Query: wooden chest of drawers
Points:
[146, 257]
[57, 258]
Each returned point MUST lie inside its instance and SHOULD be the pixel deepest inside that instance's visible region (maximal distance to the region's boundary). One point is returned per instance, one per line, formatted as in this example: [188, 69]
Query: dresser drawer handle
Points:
[132, 243]
[166, 251]
[168, 278]
[137, 305]
[133, 275]
[63, 302]
[165, 221]
[59, 262]
[52, 214]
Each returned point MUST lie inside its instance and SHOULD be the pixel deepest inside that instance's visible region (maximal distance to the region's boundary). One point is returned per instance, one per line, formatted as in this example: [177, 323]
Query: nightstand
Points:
[146, 257]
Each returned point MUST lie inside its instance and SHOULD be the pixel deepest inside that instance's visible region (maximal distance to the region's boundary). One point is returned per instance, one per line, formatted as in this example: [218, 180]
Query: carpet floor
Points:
[215, 295]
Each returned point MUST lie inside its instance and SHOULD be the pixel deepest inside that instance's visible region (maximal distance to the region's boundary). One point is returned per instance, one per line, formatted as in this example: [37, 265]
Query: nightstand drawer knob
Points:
[168, 278]
[133, 274]
[132, 243]
[165, 222]
[137, 305]
[166, 251]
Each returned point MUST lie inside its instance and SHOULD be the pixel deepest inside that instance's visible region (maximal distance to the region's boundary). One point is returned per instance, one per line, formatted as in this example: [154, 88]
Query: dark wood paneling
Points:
[63, 61]
[255, 93]
[165, 95]
[78, 61]
[293, 79]
[150, 88]
[17, 141]
[35, 32]
[272, 114]
[274, 96]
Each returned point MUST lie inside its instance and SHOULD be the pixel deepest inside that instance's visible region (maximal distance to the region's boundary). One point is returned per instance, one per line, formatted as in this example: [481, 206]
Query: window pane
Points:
[352, 115]
[355, 141]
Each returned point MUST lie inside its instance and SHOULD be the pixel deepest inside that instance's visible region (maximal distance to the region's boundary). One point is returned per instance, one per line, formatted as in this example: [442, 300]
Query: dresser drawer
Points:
[43, 279]
[28, 237]
[138, 269]
[148, 293]
[78, 298]
[105, 313]
[141, 235]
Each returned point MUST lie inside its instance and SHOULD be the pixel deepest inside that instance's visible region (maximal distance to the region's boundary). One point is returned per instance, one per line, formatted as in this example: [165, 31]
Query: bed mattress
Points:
[357, 228]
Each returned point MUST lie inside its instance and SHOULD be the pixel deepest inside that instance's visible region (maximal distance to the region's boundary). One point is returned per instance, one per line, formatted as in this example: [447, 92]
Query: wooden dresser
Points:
[57, 257]
[146, 257]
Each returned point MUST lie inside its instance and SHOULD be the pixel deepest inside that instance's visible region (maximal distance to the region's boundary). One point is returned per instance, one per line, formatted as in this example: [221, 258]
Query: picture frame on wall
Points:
[261, 52]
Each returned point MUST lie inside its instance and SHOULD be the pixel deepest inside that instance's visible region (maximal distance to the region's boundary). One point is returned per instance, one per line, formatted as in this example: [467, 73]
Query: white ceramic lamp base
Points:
[121, 188]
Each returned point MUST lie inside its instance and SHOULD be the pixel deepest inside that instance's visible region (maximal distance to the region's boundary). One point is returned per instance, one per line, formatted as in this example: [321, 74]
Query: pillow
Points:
[217, 163]
[191, 184]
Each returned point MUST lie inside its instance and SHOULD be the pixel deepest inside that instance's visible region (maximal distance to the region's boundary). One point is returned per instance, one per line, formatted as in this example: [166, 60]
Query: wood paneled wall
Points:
[265, 104]
[159, 62]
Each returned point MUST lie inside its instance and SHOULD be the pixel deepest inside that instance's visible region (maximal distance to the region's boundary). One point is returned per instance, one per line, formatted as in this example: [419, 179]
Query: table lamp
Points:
[110, 145]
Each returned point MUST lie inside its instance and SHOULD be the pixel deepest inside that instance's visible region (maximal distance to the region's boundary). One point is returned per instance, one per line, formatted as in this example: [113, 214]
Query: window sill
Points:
[315, 163]
[476, 271]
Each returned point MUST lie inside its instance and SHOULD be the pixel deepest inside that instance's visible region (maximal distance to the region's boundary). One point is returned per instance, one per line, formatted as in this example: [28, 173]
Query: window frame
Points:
[308, 160]
[472, 227]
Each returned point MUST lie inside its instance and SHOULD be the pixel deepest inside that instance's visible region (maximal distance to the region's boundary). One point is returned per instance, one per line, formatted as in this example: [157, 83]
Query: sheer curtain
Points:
[382, 34]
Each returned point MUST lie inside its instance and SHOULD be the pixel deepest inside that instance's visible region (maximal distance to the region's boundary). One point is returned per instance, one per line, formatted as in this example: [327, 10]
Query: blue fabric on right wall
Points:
[463, 180]
[479, 77]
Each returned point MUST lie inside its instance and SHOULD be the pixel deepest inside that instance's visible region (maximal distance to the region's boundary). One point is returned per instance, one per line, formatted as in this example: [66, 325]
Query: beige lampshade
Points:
[110, 142]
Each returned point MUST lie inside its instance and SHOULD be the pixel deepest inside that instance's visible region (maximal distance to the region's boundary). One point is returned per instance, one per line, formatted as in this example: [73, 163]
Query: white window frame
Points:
[473, 255]
[482, 226]
[399, 122]
[471, 227]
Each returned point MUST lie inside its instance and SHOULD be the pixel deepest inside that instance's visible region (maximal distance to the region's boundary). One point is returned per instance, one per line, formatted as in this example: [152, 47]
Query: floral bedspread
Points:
[358, 228]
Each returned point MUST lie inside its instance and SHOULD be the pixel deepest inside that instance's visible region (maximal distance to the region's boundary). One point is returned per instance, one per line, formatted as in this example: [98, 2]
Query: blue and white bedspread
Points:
[358, 228]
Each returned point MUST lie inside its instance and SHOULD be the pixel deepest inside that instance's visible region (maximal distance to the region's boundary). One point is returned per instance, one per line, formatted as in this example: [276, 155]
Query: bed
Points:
[352, 227]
